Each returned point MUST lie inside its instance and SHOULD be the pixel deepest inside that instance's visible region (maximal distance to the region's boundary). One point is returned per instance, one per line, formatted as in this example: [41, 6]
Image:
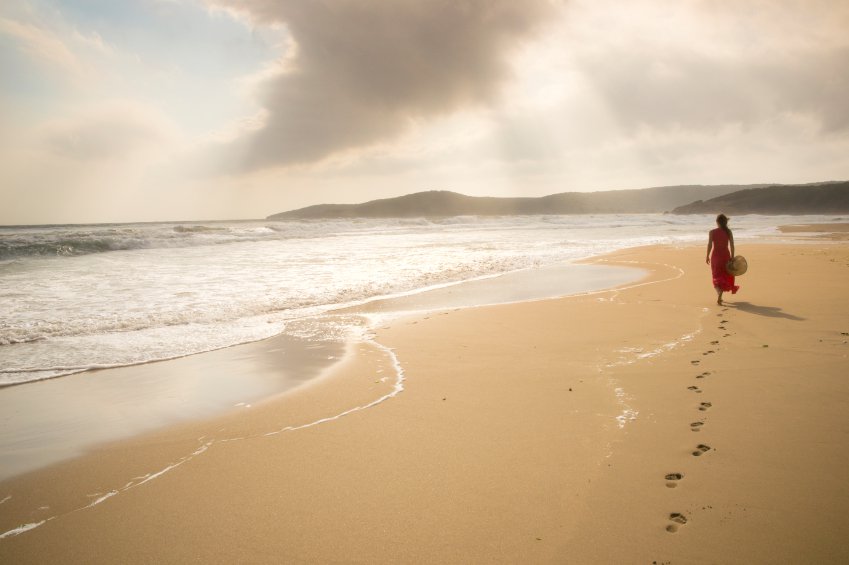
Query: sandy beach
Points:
[643, 424]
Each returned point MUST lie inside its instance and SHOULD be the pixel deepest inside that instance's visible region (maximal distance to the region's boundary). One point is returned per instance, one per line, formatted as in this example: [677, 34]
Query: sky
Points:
[149, 110]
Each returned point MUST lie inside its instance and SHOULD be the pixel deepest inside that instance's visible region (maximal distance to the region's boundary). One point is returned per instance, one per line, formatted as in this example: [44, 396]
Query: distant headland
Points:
[815, 198]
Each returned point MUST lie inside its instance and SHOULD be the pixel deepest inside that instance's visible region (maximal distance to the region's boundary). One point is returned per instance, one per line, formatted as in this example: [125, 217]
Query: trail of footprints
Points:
[677, 519]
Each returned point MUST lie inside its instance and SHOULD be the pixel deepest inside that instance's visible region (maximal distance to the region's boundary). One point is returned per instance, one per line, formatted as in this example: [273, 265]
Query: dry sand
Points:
[560, 431]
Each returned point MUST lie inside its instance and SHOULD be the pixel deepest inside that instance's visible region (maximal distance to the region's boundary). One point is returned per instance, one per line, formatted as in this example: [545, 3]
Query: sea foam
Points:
[74, 298]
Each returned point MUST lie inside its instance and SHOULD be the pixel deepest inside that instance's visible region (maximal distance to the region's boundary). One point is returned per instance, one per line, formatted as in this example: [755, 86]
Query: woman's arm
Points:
[710, 244]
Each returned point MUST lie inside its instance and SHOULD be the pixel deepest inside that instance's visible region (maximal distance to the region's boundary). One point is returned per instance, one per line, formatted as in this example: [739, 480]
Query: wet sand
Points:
[49, 421]
[838, 231]
[52, 420]
[626, 426]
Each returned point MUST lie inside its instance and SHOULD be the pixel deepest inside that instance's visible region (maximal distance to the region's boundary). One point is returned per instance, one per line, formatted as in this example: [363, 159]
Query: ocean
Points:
[80, 297]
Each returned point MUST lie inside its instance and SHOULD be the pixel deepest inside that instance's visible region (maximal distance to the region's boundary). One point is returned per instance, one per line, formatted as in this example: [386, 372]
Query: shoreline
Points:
[52, 420]
[519, 453]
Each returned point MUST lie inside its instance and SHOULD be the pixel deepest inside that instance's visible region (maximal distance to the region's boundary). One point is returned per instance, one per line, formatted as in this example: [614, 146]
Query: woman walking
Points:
[720, 250]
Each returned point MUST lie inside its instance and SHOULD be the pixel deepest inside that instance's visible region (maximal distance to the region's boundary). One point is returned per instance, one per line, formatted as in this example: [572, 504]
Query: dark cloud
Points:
[364, 70]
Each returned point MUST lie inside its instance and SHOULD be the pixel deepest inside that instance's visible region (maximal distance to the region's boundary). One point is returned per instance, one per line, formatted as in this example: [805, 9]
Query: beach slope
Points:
[636, 425]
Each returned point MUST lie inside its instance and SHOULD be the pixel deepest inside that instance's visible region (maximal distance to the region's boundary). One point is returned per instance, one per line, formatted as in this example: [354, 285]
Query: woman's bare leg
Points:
[719, 296]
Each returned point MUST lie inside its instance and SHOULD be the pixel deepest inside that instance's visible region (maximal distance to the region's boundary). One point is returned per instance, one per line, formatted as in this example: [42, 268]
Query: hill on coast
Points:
[440, 203]
[830, 198]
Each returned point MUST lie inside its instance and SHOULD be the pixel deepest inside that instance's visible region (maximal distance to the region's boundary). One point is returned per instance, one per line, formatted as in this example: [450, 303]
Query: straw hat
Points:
[737, 266]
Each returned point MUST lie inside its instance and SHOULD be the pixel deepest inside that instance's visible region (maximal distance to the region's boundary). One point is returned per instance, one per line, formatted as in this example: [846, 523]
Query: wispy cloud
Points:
[41, 45]
[707, 65]
[118, 131]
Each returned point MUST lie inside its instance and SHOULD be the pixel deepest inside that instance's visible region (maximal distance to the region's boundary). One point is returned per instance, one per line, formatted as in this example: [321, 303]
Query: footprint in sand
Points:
[704, 406]
[696, 426]
[701, 449]
[703, 375]
[722, 327]
[708, 352]
[723, 321]
[695, 362]
[672, 479]
[694, 388]
[677, 520]
[727, 335]
[715, 342]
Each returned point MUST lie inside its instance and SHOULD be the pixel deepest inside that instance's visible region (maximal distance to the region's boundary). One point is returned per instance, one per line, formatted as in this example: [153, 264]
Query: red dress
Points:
[719, 257]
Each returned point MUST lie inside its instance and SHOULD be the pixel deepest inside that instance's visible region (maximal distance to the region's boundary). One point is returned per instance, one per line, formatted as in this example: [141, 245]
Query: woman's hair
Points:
[722, 221]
